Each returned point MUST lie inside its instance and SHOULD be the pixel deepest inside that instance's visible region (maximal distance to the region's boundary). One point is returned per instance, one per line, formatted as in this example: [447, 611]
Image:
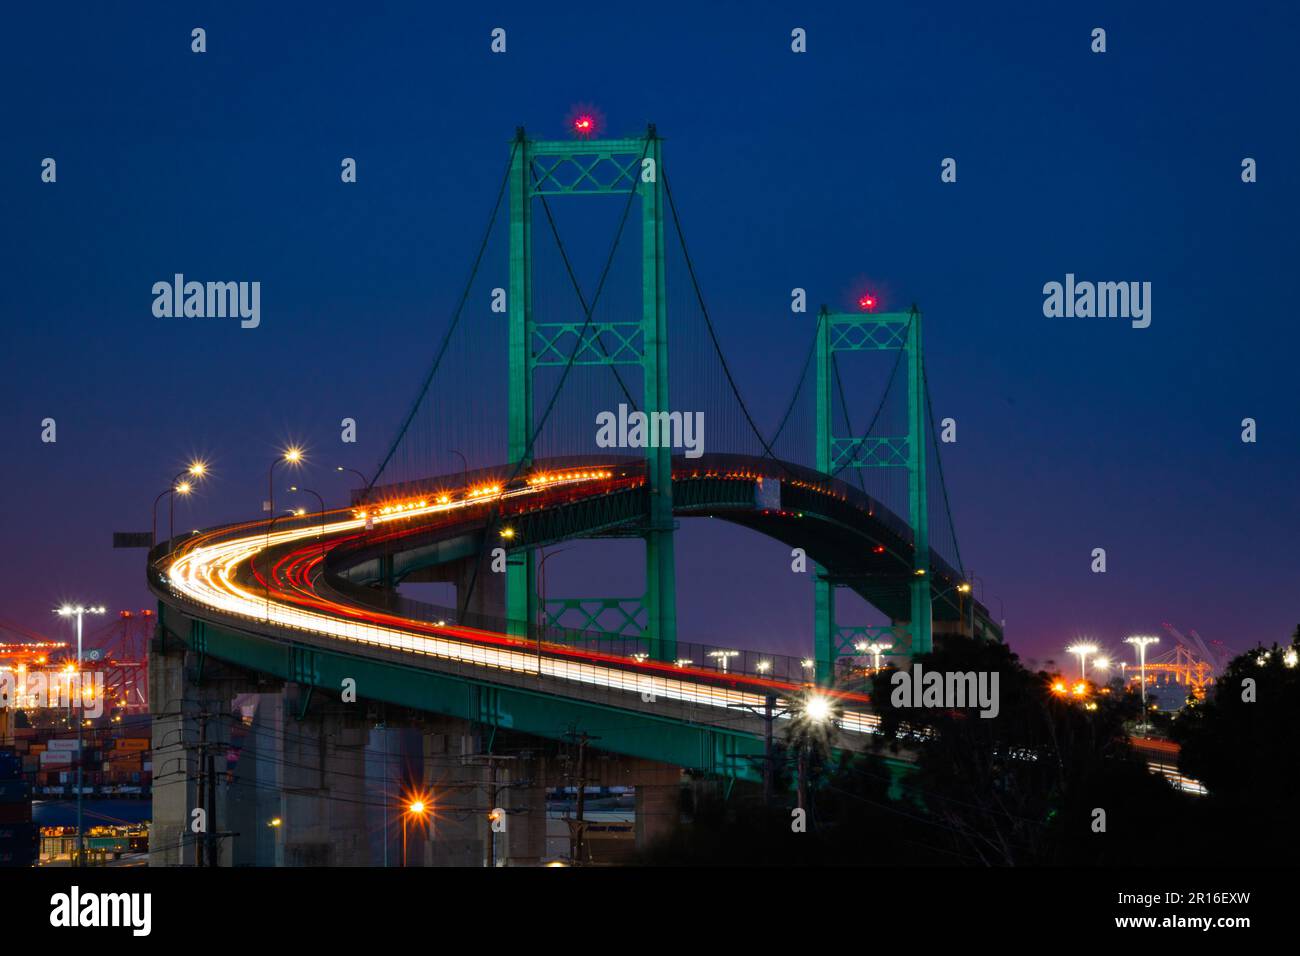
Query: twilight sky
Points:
[818, 170]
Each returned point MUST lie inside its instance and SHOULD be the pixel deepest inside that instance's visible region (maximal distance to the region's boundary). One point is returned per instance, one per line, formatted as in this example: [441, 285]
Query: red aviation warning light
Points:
[867, 303]
[584, 126]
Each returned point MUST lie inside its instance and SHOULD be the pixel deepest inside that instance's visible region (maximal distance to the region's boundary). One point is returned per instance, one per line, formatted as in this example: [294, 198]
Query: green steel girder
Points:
[847, 637]
[592, 614]
[553, 342]
[884, 332]
[881, 452]
[597, 167]
[669, 740]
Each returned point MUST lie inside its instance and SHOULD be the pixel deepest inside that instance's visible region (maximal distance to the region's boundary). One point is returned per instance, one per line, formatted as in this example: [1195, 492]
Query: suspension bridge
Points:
[498, 457]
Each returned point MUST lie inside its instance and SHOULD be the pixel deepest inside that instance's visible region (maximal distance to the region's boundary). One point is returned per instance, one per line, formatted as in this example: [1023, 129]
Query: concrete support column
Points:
[523, 797]
[323, 793]
[193, 716]
[457, 835]
[658, 802]
[175, 761]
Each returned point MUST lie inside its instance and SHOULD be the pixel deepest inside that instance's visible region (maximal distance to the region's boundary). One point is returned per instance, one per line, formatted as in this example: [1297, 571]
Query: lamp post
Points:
[1140, 642]
[962, 588]
[292, 455]
[78, 611]
[365, 482]
[1082, 651]
[415, 808]
[722, 657]
[321, 501]
[196, 470]
[875, 649]
[266, 574]
[541, 603]
[464, 465]
[277, 829]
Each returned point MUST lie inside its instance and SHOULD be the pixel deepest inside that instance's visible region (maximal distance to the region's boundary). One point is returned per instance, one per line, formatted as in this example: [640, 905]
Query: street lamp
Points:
[541, 604]
[875, 649]
[321, 501]
[415, 808]
[1140, 642]
[365, 482]
[292, 456]
[722, 657]
[195, 470]
[962, 588]
[266, 572]
[464, 464]
[69, 610]
[1082, 651]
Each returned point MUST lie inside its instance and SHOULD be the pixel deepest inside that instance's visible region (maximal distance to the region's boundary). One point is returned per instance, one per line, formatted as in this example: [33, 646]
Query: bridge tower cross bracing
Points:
[853, 332]
[554, 168]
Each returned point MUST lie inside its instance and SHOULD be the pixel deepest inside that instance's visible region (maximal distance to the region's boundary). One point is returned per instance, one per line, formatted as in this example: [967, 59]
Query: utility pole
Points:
[768, 714]
[212, 811]
[494, 793]
[199, 800]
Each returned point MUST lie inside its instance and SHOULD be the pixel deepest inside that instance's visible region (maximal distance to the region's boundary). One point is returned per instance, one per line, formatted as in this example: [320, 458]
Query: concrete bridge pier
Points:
[487, 600]
[658, 801]
[191, 700]
[465, 787]
[323, 801]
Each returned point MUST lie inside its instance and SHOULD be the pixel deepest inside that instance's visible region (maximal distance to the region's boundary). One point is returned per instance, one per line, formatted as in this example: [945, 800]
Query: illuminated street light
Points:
[292, 455]
[722, 657]
[1082, 651]
[414, 808]
[1141, 642]
[764, 666]
[875, 649]
[77, 611]
[196, 470]
[817, 709]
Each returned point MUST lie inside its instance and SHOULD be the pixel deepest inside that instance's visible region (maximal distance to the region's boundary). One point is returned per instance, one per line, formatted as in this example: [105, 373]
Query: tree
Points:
[1023, 787]
[1243, 743]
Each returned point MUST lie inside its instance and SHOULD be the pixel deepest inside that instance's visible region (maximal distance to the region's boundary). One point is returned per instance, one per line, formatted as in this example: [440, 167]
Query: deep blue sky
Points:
[818, 170]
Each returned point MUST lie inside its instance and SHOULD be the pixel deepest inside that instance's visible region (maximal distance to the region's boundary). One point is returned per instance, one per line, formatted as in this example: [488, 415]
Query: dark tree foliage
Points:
[947, 786]
[1024, 787]
[1243, 743]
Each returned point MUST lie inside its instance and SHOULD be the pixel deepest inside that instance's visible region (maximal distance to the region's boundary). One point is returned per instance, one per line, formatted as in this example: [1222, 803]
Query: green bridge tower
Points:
[856, 332]
[613, 167]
